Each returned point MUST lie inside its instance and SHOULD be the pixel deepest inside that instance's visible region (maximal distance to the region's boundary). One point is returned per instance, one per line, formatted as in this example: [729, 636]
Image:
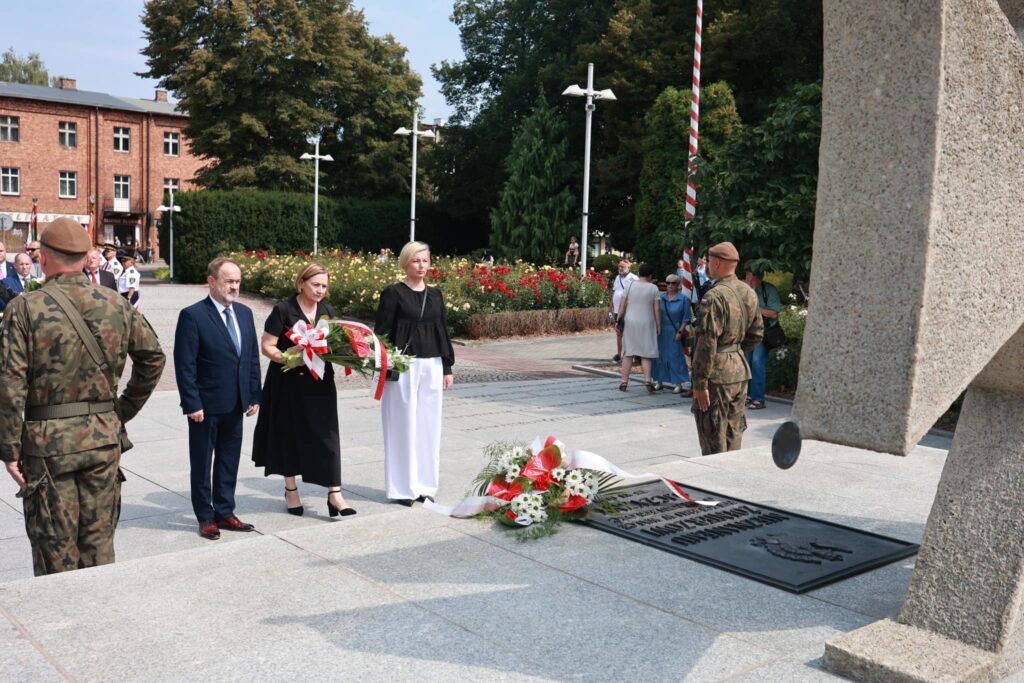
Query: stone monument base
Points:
[890, 652]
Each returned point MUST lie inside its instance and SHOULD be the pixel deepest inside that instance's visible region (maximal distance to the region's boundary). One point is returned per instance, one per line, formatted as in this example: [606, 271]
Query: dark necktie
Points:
[231, 330]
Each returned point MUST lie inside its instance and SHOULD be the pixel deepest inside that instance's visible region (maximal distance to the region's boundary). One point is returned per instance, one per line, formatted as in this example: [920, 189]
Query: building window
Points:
[68, 185]
[67, 134]
[9, 128]
[122, 187]
[172, 141]
[122, 139]
[10, 181]
[171, 184]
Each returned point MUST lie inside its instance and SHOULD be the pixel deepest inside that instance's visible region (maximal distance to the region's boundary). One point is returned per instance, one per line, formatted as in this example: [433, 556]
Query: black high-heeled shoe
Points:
[334, 512]
[297, 511]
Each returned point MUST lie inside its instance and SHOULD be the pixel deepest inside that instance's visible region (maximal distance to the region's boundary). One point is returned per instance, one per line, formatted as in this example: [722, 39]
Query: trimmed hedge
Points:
[215, 222]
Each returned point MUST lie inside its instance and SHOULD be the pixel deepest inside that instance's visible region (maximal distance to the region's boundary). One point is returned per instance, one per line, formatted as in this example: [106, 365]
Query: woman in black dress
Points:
[412, 316]
[297, 430]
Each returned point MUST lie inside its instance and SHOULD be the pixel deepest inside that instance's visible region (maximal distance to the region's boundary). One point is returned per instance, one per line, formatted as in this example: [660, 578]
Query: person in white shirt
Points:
[110, 262]
[129, 282]
[32, 249]
[619, 288]
[6, 269]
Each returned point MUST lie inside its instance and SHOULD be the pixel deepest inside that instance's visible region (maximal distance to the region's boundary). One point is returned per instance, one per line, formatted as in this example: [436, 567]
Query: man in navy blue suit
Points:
[217, 368]
[18, 279]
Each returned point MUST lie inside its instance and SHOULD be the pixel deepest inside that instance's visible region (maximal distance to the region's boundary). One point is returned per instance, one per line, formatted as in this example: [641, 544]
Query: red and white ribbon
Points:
[570, 460]
[313, 342]
[380, 354]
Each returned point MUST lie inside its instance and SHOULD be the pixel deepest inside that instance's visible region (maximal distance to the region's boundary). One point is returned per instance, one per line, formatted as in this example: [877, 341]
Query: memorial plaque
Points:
[783, 549]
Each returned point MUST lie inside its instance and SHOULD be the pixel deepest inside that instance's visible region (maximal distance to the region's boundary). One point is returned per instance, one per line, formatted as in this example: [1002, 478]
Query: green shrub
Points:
[215, 222]
[605, 263]
[784, 362]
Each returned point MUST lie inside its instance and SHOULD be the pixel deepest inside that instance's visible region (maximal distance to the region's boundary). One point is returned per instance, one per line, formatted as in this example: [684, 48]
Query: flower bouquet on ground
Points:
[534, 488]
[346, 343]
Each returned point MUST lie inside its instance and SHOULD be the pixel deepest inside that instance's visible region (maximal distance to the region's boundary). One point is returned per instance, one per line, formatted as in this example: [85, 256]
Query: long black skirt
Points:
[297, 428]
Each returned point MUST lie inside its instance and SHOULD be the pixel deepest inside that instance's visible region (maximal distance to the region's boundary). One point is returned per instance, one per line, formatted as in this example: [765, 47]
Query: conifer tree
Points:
[533, 217]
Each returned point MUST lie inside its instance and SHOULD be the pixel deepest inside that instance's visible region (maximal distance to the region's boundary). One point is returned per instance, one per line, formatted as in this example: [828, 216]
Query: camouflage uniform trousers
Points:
[72, 505]
[720, 428]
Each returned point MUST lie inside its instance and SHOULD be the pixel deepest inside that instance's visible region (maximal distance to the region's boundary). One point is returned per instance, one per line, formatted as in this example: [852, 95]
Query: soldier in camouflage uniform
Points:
[61, 423]
[728, 327]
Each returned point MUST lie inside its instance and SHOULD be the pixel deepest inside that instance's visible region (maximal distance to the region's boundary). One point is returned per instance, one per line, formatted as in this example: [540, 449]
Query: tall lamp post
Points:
[171, 210]
[414, 133]
[591, 95]
[316, 156]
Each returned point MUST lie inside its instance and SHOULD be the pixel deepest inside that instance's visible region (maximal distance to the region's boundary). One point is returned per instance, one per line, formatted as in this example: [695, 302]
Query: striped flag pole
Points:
[691, 190]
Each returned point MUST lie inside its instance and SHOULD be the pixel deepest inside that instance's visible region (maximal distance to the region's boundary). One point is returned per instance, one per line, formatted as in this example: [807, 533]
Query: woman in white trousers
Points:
[412, 316]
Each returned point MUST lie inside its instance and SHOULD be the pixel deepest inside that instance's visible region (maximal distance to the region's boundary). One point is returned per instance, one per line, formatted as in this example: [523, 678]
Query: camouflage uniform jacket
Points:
[43, 362]
[729, 319]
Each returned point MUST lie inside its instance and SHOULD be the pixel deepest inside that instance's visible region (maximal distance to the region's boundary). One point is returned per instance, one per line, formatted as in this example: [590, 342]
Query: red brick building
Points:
[104, 161]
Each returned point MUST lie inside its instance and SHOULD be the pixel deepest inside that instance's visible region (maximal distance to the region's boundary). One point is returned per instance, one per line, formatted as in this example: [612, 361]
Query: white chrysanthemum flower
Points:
[803, 313]
[574, 477]
[780, 353]
[511, 475]
[558, 473]
[539, 516]
[519, 452]
[591, 480]
[580, 489]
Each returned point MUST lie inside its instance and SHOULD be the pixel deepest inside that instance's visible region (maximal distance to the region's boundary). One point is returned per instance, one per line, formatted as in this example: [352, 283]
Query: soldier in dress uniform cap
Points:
[62, 351]
[728, 326]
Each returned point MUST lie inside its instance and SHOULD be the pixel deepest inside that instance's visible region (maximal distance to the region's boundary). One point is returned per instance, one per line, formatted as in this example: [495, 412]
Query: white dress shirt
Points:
[234, 318]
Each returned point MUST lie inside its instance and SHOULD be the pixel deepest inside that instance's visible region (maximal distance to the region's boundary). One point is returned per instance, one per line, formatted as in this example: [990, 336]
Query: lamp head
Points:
[313, 138]
[306, 156]
[426, 134]
[605, 94]
[574, 91]
[403, 131]
[326, 157]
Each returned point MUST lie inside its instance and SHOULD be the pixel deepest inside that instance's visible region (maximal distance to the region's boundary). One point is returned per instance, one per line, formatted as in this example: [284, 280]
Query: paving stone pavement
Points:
[405, 594]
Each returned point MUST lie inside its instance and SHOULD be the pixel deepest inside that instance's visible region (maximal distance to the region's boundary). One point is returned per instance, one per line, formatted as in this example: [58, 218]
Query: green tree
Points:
[660, 208]
[509, 47]
[29, 70]
[760, 48]
[257, 76]
[760, 191]
[532, 220]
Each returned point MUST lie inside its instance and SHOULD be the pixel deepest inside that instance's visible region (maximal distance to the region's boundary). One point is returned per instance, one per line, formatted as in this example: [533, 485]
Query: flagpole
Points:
[691, 164]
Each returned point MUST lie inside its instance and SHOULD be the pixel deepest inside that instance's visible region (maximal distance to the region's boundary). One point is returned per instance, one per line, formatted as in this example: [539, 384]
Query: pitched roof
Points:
[86, 98]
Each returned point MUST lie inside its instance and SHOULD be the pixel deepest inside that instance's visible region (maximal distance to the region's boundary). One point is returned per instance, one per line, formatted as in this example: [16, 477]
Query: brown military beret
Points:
[725, 251]
[66, 236]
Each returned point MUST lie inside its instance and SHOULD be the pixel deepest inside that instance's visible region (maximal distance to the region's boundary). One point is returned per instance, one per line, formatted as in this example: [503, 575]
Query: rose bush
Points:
[356, 281]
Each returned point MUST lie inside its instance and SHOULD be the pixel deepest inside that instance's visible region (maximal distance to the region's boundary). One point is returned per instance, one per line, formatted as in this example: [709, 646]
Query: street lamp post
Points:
[591, 95]
[171, 210]
[316, 156]
[414, 133]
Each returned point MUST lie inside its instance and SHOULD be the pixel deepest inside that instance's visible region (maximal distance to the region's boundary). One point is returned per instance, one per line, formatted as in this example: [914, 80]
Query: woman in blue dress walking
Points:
[670, 367]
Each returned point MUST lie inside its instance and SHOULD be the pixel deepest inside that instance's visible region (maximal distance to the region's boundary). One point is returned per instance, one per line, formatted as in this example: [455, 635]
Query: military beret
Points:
[725, 251]
[66, 236]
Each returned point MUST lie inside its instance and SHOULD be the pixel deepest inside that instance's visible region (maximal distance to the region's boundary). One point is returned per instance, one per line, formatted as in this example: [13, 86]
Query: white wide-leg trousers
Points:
[411, 414]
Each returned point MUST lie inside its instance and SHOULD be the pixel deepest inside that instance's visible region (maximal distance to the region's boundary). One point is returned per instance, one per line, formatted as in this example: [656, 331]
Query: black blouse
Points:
[281, 319]
[398, 318]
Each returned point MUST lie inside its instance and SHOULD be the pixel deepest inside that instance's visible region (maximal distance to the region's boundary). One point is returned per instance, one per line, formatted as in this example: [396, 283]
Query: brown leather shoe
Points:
[233, 523]
[208, 529]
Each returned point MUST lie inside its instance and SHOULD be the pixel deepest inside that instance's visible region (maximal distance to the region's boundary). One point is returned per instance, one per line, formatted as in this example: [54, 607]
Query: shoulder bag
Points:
[774, 335]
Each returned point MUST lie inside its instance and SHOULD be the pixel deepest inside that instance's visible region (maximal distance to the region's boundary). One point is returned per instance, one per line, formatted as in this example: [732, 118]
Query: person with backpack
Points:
[770, 304]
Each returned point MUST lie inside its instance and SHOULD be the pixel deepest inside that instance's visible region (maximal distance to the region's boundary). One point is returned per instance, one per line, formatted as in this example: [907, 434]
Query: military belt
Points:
[68, 410]
[728, 348]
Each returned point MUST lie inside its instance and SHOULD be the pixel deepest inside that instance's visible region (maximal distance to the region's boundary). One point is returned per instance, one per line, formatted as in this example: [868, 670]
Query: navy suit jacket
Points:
[13, 282]
[211, 375]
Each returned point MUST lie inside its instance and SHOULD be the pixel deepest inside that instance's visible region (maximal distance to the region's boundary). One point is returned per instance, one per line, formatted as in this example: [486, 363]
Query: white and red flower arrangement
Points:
[346, 343]
[535, 488]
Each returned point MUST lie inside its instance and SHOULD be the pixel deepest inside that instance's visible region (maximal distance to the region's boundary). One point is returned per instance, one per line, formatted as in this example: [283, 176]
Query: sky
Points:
[97, 42]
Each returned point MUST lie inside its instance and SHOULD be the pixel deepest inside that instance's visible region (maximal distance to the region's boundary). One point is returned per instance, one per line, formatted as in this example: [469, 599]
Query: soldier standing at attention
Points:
[729, 326]
[62, 351]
